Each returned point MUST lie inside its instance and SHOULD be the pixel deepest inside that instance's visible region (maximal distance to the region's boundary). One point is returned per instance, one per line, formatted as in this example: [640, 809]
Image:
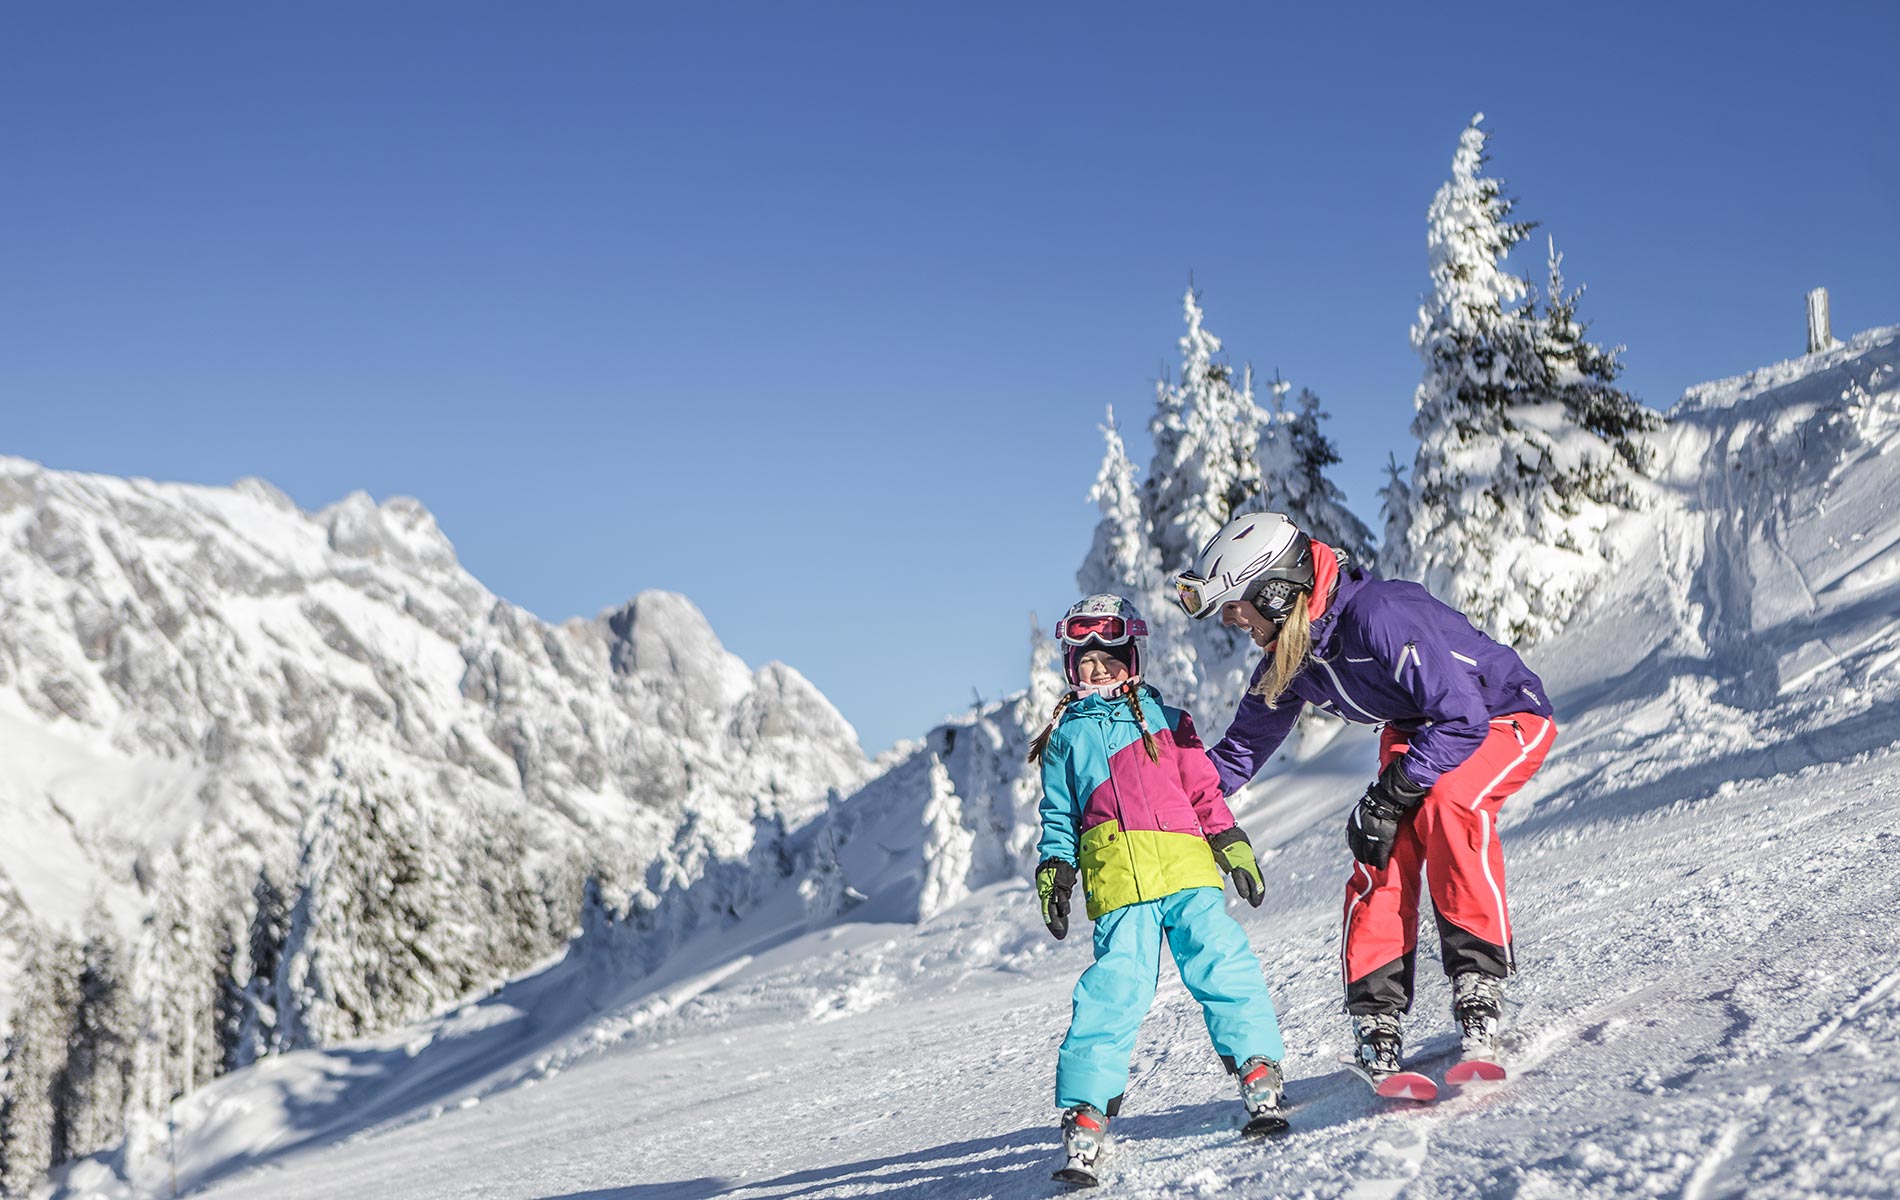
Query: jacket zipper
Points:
[1344, 694]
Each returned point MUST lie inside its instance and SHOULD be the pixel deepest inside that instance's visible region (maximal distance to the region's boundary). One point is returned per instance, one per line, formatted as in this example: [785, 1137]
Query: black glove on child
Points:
[1374, 824]
[1054, 878]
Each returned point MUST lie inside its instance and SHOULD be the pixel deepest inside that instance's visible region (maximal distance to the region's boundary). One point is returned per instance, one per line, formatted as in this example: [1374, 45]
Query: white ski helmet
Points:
[1101, 622]
[1261, 558]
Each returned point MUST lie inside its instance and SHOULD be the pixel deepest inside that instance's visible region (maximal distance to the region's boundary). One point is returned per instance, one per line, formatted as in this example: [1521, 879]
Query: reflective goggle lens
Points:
[1104, 628]
[1188, 592]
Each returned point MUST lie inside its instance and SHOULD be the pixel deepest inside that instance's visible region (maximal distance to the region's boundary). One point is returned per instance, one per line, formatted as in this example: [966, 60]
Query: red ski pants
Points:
[1451, 836]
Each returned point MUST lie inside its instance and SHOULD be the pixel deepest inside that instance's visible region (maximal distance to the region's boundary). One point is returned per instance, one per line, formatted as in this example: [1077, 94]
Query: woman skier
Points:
[1129, 797]
[1466, 724]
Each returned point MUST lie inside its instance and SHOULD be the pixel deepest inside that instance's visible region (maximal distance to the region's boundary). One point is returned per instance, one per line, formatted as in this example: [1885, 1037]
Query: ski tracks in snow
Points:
[1872, 996]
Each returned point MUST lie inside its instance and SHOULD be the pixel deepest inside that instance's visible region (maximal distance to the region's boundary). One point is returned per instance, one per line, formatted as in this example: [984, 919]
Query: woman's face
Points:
[1097, 667]
[1240, 614]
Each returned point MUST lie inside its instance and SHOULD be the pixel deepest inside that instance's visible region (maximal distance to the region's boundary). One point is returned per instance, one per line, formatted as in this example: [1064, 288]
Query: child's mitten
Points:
[1235, 853]
[1054, 878]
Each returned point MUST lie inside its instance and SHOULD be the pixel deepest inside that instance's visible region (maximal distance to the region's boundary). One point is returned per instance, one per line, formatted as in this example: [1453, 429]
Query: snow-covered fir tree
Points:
[1523, 457]
[1294, 455]
[33, 1129]
[1124, 560]
[375, 935]
[1395, 509]
[257, 1013]
[1217, 452]
[95, 1087]
[948, 846]
[1583, 374]
[1206, 434]
[1122, 556]
[398, 908]
[179, 978]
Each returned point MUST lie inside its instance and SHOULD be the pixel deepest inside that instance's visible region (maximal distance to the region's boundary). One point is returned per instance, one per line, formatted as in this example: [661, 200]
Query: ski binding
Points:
[1079, 1172]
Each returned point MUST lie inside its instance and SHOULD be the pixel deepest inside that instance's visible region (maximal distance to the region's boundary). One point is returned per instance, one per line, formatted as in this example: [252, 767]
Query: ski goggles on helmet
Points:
[1198, 597]
[1194, 594]
[1108, 629]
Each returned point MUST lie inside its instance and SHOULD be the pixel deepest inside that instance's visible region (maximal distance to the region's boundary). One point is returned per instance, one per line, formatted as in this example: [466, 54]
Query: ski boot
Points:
[1377, 1044]
[1477, 1006]
[1260, 1091]
[1084, 1133]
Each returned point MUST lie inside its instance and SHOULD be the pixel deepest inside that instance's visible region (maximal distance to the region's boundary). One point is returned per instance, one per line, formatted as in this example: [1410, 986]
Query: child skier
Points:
[1466, 724]
[1129, 795]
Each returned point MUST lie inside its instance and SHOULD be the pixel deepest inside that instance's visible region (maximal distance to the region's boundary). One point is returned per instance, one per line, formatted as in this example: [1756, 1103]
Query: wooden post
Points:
[1820, 336]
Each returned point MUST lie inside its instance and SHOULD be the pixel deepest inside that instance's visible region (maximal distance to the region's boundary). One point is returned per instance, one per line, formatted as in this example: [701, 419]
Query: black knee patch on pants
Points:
[1386, 989]
[1466, 951]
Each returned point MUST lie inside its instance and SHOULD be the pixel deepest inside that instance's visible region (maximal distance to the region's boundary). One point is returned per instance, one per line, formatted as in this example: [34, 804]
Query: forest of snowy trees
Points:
[392, 910]
[391, 907]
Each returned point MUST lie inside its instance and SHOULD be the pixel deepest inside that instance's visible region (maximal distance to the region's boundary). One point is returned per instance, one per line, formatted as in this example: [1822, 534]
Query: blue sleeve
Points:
[1457, 720]
[1255, 733]
[1058, 808]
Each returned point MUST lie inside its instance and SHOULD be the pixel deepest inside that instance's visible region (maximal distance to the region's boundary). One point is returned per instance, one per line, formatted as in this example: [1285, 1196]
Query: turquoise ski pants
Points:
[1217, 964]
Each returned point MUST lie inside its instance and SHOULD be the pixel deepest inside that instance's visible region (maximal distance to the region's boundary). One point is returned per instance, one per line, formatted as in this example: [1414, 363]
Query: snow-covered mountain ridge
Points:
[1701, 878]
[225, 628]
[189, 674]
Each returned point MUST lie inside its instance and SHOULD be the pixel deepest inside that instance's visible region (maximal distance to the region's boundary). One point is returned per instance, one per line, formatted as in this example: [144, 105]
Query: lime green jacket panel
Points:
[1129, 866]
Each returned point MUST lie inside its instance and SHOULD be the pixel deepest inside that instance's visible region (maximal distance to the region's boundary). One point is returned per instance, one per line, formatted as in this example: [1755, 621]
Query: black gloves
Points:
[1374, 823]
[1235, 854]
[1054, 879]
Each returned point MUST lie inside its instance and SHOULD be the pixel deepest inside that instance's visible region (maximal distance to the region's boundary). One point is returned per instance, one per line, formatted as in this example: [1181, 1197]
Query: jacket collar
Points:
[1112, 707]
[1326, 625]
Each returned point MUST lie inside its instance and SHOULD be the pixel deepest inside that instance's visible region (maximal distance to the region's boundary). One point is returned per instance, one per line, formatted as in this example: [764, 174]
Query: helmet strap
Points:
[1106, 690]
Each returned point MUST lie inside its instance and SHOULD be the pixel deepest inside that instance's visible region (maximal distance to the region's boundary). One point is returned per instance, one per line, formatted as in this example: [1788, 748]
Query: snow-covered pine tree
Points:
[376, 935]
[1206, 434]
[1294, 455]
[264, 951]
[1122, 557]
[178, 977]
[95, 1088]
[1123, 560]
[398, 908]
[1395, 509]
[949, 845]
[1583, 375]
[33, 1133]
[1509, 495]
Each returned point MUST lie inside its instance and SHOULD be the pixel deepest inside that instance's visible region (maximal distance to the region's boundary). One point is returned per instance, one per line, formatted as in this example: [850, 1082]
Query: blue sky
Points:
[810, 311]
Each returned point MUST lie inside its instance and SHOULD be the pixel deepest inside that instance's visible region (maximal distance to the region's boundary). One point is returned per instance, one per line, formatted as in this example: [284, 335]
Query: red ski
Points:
[1398, 1085]
[1474, 1070]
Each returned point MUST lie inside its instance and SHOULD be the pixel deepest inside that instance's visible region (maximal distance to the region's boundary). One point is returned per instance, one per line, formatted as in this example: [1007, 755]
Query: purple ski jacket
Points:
[1388, 651]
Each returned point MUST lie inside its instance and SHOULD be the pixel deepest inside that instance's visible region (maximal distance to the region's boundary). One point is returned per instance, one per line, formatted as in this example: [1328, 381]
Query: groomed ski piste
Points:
[1704, 890]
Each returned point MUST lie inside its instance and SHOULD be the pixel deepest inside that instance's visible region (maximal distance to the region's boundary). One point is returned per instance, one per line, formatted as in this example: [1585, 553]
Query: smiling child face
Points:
[1098, 667]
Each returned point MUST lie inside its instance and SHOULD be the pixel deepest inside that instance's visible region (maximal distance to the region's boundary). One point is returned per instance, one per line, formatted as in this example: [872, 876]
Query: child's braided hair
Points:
[1042, 739]
[1129, 691]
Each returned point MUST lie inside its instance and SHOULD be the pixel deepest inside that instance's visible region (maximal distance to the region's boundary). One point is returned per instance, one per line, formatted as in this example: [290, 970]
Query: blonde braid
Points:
[1042, 739]
[1134, 702]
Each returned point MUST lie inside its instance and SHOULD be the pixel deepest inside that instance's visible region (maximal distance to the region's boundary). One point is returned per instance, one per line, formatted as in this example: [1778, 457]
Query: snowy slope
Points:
[1702, 886]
